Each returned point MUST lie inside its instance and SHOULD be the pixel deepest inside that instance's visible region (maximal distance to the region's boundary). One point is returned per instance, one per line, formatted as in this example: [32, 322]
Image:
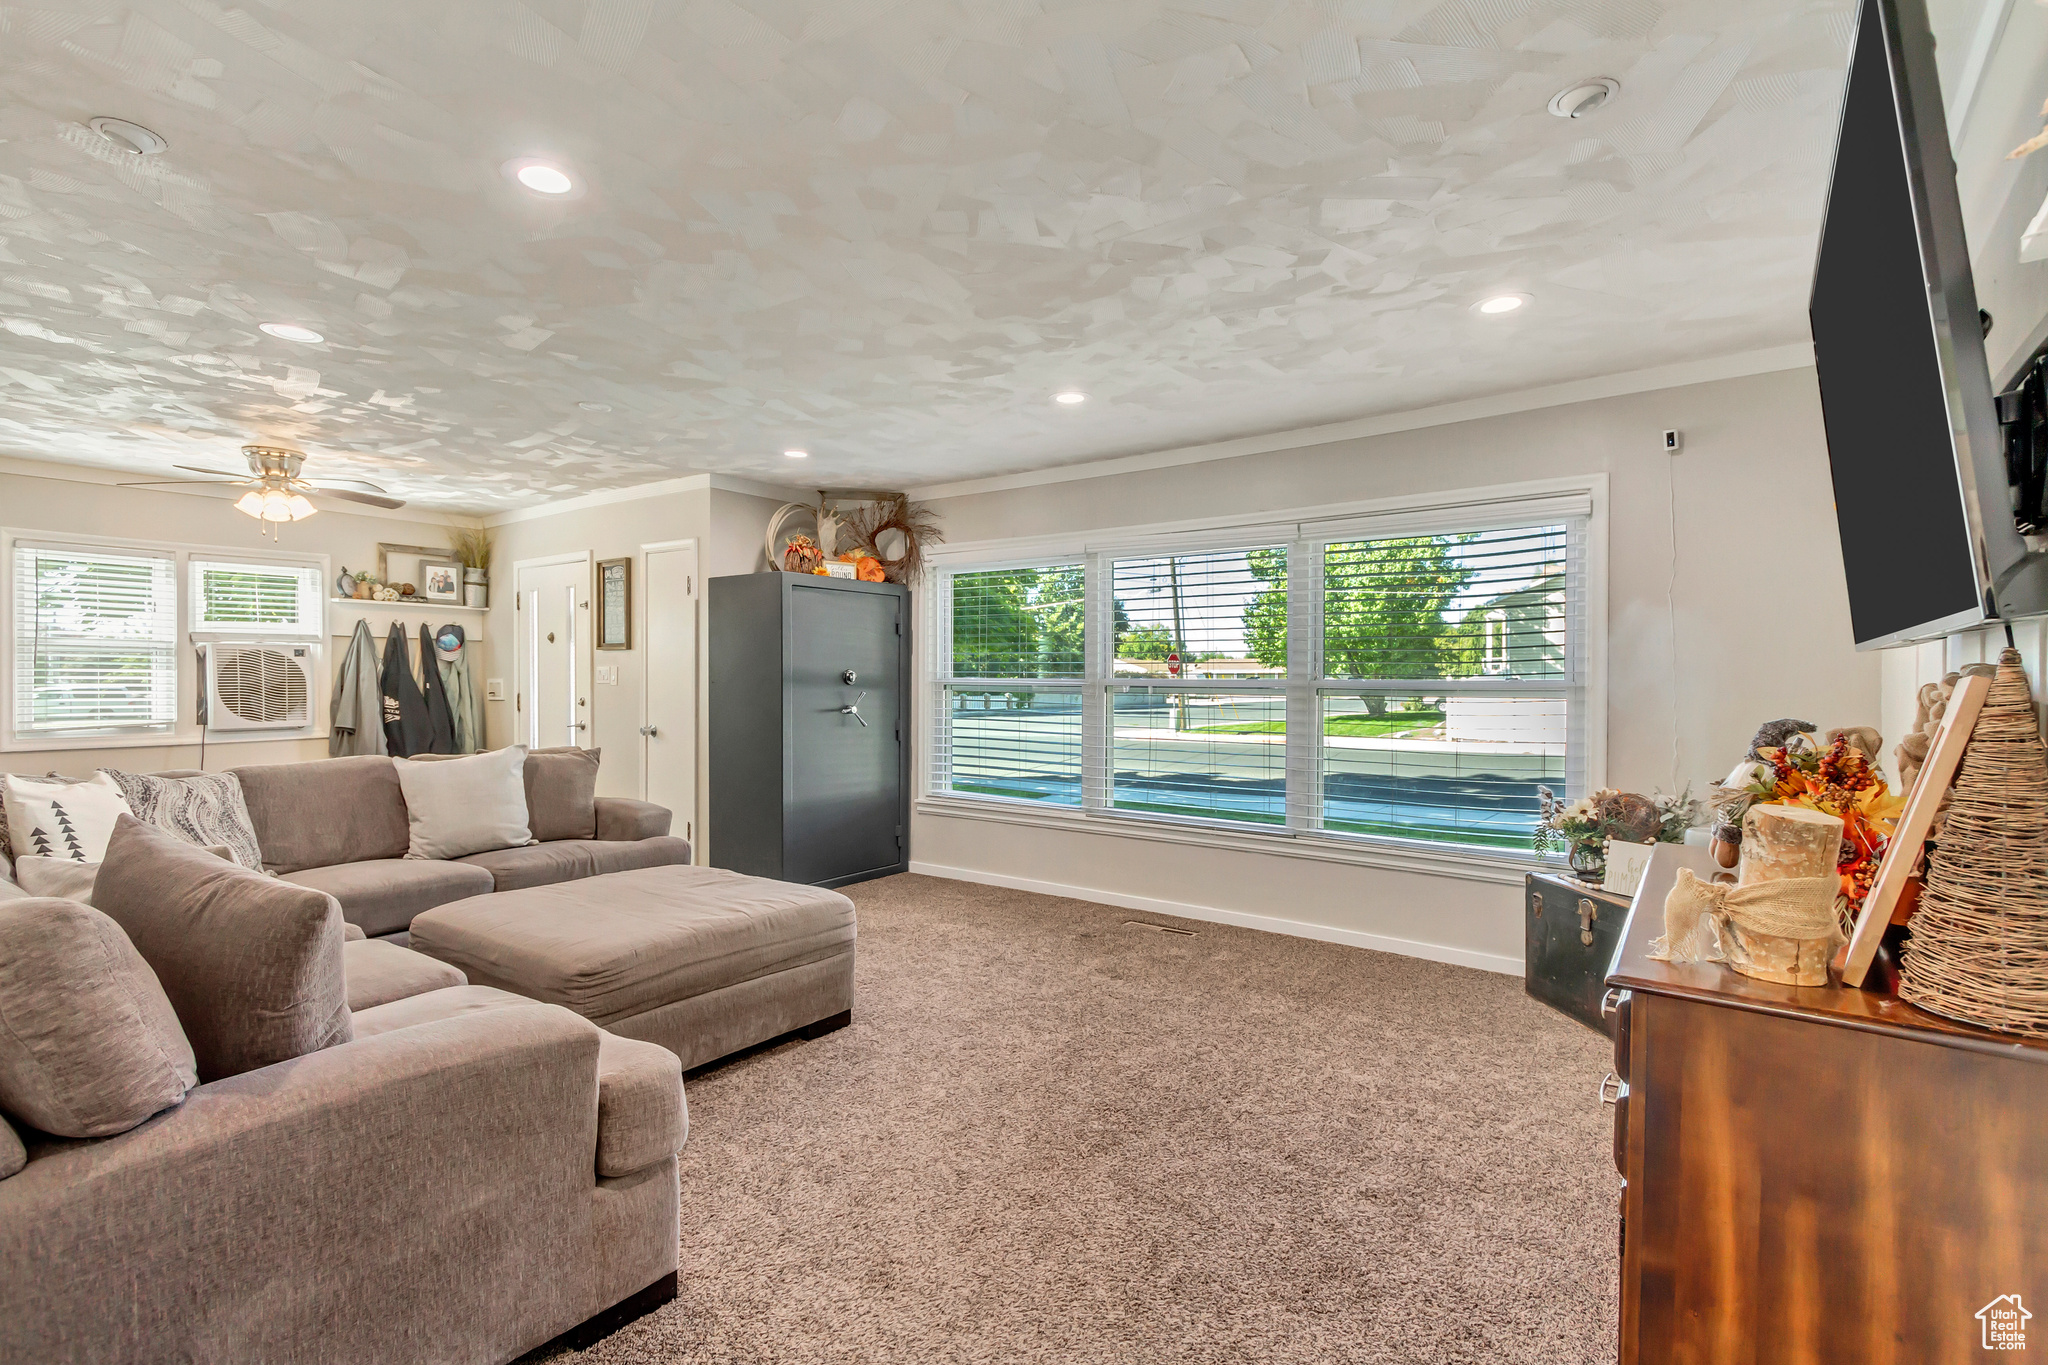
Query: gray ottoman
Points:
[700, 960]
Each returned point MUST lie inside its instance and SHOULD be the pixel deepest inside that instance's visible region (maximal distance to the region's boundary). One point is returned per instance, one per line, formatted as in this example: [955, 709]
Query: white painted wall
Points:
[728, 525]
[85, 502]
[1756, 596]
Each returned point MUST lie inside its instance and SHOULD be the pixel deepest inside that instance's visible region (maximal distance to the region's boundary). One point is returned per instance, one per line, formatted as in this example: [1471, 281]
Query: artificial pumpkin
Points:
[869, 570]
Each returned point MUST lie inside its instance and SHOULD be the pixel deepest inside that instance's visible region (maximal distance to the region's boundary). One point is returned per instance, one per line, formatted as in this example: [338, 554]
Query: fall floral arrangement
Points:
[1836, 778]
[1611, 814]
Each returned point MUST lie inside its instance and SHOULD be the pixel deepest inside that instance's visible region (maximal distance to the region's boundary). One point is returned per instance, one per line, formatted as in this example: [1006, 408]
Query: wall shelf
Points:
[363, 604]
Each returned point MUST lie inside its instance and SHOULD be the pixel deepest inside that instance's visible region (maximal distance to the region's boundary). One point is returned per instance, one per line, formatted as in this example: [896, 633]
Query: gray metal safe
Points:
[810, 727]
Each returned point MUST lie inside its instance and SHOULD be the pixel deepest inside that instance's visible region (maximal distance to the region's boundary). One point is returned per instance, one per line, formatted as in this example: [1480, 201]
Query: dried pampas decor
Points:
[1978, 949]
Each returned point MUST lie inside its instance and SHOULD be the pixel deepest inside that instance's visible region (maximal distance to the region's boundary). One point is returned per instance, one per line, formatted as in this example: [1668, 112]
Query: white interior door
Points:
[553, 703]
[670, 728]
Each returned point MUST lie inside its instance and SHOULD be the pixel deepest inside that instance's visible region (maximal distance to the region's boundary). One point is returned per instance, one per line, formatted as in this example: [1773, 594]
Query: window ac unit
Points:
[256, 687]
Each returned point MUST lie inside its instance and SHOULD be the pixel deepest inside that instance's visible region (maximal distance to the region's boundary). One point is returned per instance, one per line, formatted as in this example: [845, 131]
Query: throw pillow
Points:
[89, 1045]
[251, 963]
[40, 876]
[465, 805]
[61, 819]
[206, 810]
[561, 793]
[13, 1156]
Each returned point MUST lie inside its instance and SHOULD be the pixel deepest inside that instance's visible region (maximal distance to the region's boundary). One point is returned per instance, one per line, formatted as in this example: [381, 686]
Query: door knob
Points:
[581, 726]
[649, 731]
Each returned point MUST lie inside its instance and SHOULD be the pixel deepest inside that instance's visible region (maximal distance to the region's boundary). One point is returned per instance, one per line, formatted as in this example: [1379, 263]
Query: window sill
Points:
[78, 743]
[1502, 868]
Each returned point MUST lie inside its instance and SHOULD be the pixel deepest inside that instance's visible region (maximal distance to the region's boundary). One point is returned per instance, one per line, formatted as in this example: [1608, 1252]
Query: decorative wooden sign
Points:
[1902, 853]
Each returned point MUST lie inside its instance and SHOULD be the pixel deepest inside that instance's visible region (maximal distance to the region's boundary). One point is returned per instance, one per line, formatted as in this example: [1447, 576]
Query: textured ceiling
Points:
[884, 230]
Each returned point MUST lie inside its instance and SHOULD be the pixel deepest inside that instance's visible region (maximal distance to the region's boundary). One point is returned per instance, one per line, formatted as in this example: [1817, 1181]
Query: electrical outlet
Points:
[494, 689]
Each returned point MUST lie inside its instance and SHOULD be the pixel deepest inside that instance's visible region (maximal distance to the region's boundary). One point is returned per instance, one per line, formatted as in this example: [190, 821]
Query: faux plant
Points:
[471, 545]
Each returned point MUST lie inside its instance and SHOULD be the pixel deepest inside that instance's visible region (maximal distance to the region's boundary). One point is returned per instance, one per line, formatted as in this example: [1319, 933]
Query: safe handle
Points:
[852, 708]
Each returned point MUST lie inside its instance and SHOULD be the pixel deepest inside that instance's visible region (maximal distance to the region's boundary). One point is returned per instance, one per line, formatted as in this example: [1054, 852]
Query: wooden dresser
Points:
[1816, 1174]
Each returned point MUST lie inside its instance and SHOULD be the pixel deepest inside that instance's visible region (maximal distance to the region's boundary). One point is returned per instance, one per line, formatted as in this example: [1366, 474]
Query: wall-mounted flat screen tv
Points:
[1918, 460]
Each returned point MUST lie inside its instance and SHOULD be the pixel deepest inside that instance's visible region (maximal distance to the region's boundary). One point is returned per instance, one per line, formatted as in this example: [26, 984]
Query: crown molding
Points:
[109, 478]
[605, 497]
[1796, 356]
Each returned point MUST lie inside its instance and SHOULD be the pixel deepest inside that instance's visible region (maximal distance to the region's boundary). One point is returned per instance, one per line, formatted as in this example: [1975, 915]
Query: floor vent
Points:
[1158, 928]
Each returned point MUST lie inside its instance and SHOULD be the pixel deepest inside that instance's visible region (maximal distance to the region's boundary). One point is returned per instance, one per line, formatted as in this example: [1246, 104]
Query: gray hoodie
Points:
[356, 720]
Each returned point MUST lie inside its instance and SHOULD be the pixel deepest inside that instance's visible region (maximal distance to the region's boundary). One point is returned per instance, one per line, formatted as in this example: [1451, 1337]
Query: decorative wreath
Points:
[918, 526]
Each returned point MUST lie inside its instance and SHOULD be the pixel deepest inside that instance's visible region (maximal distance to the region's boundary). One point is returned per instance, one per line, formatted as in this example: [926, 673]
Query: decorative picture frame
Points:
[409, 559]
[441, 580]
[615, 603]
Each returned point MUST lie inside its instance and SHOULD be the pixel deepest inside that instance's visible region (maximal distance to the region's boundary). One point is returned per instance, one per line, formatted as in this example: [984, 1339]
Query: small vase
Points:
[1589, 860]
[475, 595]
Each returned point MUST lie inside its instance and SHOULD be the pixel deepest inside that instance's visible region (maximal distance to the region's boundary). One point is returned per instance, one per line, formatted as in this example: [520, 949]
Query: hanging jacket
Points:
[356, 718]
[406, 731]
[440, 724]
[464, 706]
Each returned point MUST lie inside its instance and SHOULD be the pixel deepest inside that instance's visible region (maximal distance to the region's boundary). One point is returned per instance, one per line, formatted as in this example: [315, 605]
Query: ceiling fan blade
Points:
[360, 483]
[219, 473]
[177, 483]
[371, 498]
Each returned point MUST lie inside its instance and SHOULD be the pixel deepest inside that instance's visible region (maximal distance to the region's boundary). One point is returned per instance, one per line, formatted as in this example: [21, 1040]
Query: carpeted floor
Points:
[1051, 1137]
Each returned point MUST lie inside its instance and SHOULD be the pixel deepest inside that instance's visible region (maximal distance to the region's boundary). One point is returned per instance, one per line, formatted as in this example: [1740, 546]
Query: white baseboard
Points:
[1272, 924]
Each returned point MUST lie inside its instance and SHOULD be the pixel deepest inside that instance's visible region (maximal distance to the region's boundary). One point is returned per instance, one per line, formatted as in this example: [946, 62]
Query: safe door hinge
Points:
[899, 627]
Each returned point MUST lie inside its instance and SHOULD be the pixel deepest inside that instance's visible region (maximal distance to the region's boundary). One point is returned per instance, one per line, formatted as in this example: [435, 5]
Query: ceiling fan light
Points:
[301, 507]
[250, 502]
[277, 506]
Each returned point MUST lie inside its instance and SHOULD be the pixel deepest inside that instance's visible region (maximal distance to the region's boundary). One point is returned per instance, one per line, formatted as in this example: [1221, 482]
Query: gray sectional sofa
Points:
[288, 1143]
[339, 825]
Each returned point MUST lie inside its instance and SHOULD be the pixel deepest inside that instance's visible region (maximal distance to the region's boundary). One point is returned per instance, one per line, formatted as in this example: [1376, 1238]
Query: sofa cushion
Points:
[328, 811]
[614, 946]
[383, 894]
[252, 964]
[379, 972]
[642, 1116]
[561, 793]
[569, 859]
[89, 1045]
[206, 810]
[434, 1006]
[465, 805]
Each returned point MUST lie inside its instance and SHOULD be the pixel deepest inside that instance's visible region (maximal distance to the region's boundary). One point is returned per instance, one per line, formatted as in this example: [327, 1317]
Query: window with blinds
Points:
[1410, 677]
[255, 597]
[95, 641]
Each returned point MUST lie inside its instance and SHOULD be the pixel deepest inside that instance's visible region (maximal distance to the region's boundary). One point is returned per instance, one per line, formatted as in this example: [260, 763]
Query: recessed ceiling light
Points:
[798, 454]
[595, 407]
[291, 331]
[541, 177]
[1585, 97]
[1070, 397]
[129, 137]
[1502, 303]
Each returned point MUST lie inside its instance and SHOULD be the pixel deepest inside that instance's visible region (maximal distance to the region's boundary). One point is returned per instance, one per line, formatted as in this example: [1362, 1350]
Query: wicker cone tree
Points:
[1979, 944]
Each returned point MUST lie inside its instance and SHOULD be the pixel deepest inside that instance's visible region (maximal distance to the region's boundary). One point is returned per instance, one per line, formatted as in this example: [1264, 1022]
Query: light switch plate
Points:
[494, 689]
[608, 674]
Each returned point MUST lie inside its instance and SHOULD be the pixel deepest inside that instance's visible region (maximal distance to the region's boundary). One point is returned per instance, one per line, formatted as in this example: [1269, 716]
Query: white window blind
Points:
[1410, 678]
[255, 597]
[95, 641]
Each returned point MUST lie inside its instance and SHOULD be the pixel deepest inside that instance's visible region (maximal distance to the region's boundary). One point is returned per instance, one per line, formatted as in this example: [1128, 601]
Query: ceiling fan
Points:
[276, 492]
